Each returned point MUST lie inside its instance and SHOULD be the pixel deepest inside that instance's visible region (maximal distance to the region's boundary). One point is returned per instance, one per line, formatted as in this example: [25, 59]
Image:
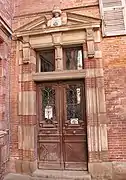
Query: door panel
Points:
[62, 126]
[49, 137]
[74, 127]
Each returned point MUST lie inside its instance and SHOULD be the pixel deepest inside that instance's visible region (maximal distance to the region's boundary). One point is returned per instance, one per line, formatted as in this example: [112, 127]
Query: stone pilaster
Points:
[57, 41]
[58, 58]
[27, 129]
[95, 99]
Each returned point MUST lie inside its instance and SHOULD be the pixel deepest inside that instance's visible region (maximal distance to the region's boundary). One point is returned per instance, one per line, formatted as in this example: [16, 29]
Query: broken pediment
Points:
[67, 22]
[73, 18]
[39, 23]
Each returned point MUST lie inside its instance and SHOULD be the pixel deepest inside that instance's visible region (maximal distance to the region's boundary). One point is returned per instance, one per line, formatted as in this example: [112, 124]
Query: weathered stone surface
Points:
[25, 167]
[26, 135]
[54, 174]
[27, 103]
[17, 176]
[51, 175]
[101, 171]
[119, 171]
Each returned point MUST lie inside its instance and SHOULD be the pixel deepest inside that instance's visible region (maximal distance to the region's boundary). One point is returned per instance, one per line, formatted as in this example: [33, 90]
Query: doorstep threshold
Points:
[62, 174]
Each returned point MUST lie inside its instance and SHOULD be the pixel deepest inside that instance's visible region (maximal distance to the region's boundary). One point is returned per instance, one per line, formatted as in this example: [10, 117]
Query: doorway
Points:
[62, 136]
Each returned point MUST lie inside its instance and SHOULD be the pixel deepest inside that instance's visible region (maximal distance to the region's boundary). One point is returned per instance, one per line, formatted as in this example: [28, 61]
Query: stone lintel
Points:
[67, 74]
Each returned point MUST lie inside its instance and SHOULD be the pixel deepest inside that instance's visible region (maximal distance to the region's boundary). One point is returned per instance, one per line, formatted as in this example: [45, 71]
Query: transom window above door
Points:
[47, 60]
[71, 58]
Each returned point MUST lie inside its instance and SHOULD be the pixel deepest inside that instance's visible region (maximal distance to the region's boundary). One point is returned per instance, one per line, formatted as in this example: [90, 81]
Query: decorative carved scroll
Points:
[90, 43]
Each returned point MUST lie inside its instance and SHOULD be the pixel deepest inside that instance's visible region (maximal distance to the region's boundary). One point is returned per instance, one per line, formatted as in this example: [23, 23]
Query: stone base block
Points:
[12, 176]
[11, 165]
[25, 167]
[119, 171]
[100, 171]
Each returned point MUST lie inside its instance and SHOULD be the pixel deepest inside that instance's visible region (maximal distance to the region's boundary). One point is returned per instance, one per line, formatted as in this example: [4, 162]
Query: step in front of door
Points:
[61, 175]
[51, 175]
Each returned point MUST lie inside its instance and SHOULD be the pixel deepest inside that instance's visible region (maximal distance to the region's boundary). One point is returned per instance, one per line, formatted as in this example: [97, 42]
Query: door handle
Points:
[74, 132]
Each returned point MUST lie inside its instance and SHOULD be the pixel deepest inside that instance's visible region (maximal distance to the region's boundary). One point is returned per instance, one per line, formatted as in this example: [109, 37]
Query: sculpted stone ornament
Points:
[57, 19]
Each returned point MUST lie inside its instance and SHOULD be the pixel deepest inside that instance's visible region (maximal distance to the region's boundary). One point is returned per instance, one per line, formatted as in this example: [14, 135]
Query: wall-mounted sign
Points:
[48, 112]
[74, 120]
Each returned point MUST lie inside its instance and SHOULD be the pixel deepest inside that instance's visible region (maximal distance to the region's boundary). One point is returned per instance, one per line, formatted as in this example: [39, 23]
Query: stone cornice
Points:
[54, 30]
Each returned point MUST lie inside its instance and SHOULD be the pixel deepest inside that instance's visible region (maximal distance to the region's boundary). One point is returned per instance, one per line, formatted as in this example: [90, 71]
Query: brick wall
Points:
[114, 50]
[5, 47]
[6, 11]
[14, 121]
[4, 153]
[4, 103]
[33, 6]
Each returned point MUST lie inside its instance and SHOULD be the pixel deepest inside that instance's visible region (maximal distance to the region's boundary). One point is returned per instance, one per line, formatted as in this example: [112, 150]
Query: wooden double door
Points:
[62, 126]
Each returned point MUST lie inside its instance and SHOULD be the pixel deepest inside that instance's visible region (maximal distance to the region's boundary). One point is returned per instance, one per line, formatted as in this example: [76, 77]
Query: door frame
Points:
[60, 88]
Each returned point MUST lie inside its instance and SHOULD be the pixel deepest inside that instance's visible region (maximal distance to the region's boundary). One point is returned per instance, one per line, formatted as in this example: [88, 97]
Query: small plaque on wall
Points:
[74, 120]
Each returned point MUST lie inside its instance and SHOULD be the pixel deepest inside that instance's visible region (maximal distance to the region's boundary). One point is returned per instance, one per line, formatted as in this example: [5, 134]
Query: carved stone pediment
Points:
[77, 19]
[36, 24]
[72, 22]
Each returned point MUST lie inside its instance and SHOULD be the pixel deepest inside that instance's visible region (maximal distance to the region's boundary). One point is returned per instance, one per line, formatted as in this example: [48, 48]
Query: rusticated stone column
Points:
[95, 107]
[27, 141]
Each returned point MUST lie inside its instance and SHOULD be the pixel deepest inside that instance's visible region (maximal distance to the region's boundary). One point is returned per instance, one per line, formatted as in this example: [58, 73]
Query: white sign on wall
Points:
[48, 112]
[74, 120]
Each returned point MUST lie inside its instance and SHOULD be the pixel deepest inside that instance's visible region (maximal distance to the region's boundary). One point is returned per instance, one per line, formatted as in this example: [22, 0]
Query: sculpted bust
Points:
[56, 19]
